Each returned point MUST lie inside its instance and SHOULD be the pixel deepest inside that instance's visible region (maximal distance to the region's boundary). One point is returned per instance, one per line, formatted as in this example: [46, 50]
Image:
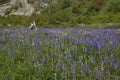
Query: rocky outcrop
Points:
[23, 7]
[16, 7]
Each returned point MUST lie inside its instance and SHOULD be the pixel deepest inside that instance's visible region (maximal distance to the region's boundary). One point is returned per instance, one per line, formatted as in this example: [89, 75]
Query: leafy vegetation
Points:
[4, 1]
[70, 13]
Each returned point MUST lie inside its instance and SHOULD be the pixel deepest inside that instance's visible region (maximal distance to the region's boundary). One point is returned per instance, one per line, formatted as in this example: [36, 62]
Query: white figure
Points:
[33, 26]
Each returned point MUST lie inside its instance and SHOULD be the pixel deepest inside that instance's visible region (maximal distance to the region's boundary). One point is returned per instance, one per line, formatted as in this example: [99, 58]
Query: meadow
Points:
[59, 54]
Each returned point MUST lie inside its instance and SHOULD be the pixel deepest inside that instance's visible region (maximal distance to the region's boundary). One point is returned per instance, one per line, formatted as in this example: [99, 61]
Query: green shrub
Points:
[64, 4]
[106, 18]
[81, 7]
[112, 6]
[83, 19]
[63, 15]
[115, 17]
[42, 20]
[99, 19]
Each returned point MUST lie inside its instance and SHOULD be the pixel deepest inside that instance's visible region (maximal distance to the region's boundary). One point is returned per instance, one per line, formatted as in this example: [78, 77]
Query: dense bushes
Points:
[14, 21]
[112, 6]
[71, 13]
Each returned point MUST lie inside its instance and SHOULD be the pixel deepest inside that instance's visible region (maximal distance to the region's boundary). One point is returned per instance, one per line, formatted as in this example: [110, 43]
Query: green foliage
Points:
[63, 15]
[68, 13]
[4, 1]
[83, 19]
[64, 3]
[14, 20]
[43, 20]
[53, 8]
[81, 7]
[100, 19]
[105, 18]
[112, 6]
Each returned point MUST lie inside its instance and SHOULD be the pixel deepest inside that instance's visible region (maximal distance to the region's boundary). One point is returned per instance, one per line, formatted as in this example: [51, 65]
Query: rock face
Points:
[16, 7]
[23, 7]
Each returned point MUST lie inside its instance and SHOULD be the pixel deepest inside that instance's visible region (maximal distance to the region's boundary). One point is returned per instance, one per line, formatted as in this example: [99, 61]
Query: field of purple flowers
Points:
[59, 54]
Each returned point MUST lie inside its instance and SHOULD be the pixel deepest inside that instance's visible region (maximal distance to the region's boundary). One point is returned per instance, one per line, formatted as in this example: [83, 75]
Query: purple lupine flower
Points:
[96, 73]
[74, 69]
[68, 55]
[14, 52]
[101, 74]
[86, 49]
[95, 43]
[63, 68]
[62, 56]
[57, 44]
[74, 66]
[76, 41]
[53, 55]
[1, 45]
[86, 68]
[117, 65]
[34, 60]
[39, 73]
[36, 42]
[112, 59]
[69, 65]
[62, 45]
[108, 48]
[106, 60]
[59, 64]
[43, 60]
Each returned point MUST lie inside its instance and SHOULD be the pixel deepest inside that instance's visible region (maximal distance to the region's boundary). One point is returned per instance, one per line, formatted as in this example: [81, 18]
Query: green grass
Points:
[51, 21]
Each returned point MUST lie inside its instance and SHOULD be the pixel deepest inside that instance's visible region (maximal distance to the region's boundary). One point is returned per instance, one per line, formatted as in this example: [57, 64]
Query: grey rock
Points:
[24, 7]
